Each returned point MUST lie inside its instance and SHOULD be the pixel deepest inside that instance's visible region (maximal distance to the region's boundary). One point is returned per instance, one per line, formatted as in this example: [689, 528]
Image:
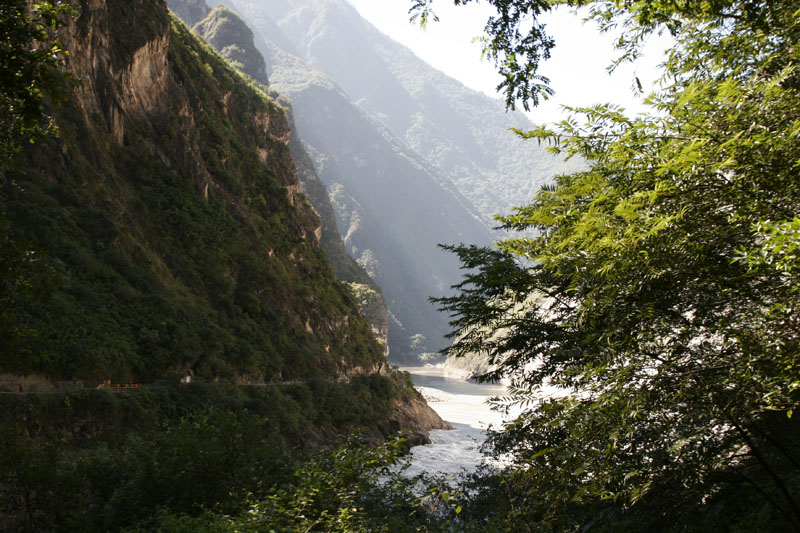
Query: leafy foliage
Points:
[327, 493]
[92, 460]
[30, 69]
[25, 276]
[515, 46]
[349, 489]
[518, 42]
[30, 61]
[659, 291]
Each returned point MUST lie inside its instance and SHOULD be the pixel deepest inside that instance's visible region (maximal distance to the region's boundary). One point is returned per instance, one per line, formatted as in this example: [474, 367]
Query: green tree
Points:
[30, 59]
[30, 62]
[350, 489]
[24, 275]
[660, 291]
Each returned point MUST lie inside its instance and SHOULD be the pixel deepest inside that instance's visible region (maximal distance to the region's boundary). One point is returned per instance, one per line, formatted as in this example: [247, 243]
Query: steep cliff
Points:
[392, 206]
[230, 36]
[170, 205]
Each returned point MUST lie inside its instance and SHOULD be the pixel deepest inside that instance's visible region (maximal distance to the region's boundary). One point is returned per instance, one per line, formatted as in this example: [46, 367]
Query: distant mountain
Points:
[393, 207]
[189, 11]
[462, 132]
[230, 36]
[326, 58]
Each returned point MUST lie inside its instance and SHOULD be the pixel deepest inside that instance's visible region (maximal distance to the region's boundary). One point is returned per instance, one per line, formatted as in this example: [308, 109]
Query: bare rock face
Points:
[129, 79]
[118, 81]
[413, 416]
[412, 412]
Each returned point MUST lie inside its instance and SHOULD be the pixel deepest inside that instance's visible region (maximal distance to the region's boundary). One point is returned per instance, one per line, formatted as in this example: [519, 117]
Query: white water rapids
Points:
[464, 405]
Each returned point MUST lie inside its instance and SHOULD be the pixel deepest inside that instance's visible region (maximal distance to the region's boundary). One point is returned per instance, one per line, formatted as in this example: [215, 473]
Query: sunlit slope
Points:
[393, 207]
[462, 132]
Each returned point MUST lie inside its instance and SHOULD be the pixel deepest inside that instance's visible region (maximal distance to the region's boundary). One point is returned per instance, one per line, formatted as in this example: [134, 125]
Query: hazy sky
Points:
[577, 69]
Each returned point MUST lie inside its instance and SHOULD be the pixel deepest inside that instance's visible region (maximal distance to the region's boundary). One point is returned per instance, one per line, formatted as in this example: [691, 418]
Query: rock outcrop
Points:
[411, 417]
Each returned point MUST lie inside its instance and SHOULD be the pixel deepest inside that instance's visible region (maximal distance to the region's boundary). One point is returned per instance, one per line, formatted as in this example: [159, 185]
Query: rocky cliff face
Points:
[231, 37]
[119, 82]
[170, 205]
[413, 413]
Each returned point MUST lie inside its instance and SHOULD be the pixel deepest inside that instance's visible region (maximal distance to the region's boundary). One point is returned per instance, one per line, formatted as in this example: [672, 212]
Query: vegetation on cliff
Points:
[172, 215]
[161, 233]
[29, 73]
[95, 460]
[230, 36]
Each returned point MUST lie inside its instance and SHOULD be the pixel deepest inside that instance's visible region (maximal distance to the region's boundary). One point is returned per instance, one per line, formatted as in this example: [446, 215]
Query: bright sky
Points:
[577, 68]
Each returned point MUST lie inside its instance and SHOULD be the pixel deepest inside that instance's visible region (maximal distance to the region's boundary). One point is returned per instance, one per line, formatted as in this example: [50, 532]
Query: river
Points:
[464, 405]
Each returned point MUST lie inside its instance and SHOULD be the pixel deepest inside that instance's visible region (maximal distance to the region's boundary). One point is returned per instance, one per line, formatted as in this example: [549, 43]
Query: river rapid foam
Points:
[464, 405]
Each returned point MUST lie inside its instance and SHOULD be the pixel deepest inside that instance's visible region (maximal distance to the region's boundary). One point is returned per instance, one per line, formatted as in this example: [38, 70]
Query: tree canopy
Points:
[30, 59]
[660, 292]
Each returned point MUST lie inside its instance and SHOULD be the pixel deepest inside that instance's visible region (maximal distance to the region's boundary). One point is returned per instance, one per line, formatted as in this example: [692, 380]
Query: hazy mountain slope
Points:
[463, 132]
[393, 208]
[229, 35]
[169, 204]
[189, 11]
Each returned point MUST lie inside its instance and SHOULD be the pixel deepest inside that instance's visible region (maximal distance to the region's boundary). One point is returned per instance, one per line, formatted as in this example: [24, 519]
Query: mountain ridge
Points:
[230, 36]
[464, 133]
